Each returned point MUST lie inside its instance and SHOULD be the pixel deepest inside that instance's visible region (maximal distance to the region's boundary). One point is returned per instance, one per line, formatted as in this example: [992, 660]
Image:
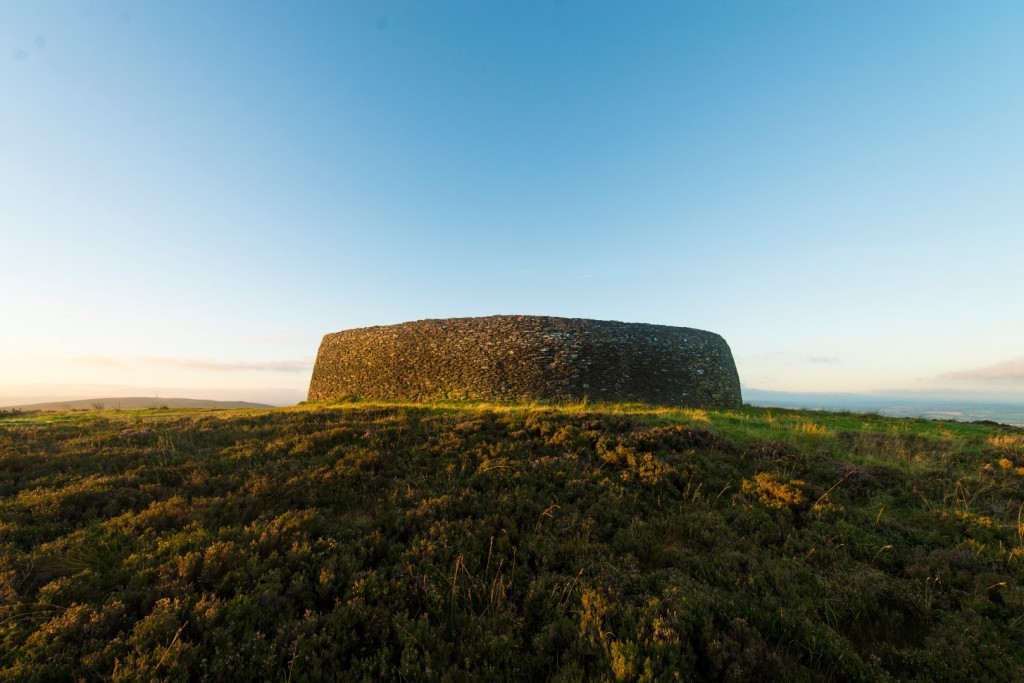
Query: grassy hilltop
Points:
[399, 542]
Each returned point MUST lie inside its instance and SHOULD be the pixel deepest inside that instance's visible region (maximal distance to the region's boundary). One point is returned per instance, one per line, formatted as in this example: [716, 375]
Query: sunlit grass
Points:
[375, 540]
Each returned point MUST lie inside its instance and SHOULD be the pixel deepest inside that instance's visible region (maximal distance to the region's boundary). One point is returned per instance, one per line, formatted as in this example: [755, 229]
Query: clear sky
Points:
[193, 193]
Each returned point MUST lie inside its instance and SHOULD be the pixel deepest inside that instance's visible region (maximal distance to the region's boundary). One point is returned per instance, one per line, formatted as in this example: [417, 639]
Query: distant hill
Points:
[133, 403]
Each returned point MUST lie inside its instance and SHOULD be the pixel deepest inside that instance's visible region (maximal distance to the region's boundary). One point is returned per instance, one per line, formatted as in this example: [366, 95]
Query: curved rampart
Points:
[527, 358]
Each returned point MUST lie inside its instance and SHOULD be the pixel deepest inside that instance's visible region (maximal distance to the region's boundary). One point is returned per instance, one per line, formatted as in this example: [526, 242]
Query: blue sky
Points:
[193, 193]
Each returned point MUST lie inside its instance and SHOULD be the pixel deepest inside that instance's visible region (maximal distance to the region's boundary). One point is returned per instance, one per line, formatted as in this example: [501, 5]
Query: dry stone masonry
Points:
[527, 358]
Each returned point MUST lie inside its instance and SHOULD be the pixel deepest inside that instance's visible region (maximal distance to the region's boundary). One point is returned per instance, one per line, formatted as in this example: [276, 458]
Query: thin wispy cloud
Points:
[102, 361]
[269, 339]
[790, 358]
[202, 364]
[228, 366]
[1006, 370]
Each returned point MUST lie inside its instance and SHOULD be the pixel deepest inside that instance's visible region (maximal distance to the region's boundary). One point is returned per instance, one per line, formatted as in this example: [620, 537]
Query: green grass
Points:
[368, 541]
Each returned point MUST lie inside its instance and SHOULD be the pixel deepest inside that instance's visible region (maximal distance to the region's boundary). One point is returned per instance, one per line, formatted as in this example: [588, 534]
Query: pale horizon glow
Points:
[193, 194]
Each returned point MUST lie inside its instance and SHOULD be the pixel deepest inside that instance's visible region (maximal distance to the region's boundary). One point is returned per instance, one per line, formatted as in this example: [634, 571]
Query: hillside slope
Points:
[400, 542]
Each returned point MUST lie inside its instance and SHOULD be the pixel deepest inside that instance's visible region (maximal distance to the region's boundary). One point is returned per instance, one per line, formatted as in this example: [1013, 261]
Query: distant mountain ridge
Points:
[134, 403]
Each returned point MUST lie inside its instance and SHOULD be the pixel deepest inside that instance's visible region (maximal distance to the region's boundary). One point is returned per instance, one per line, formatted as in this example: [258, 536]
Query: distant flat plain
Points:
[939, 407]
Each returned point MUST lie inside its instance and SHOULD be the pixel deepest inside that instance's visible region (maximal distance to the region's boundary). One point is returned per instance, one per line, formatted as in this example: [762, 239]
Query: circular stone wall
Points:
[527, 358]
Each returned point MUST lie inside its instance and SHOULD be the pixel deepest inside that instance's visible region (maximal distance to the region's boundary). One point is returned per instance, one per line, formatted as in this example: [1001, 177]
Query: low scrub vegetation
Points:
[453, 542]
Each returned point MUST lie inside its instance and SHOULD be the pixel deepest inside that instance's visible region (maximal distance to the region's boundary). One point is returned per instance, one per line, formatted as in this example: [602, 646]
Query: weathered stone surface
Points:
[527, 358]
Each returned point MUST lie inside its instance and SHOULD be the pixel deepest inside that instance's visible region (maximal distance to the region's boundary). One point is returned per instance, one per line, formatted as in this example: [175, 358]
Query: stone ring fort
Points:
[527, 358]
